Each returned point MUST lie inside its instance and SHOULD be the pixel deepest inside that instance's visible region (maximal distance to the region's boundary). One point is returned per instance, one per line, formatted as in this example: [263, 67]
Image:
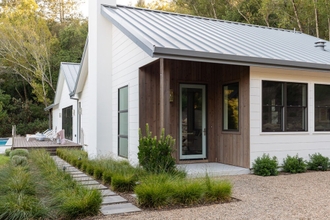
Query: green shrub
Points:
[123, 182]
[7, 152]
[155, 191]
[106, 177]
[217, 190]
[265, 166]
[187, 192]
[19, 152]
[84, 166]
[318, 162]
[90, 169]
[294, 164]
[17, 160]
[98, 171]
[79, 203]
[156, 155]
[22, 206]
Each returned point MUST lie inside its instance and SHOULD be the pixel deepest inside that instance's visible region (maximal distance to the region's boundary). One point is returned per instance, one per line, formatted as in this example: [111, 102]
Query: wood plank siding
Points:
[156, 109]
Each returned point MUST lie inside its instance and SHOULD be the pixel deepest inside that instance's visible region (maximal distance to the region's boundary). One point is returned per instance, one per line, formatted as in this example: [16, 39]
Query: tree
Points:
[25, 42]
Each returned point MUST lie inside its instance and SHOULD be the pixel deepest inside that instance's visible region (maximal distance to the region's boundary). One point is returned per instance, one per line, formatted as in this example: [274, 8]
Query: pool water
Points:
[3, 142]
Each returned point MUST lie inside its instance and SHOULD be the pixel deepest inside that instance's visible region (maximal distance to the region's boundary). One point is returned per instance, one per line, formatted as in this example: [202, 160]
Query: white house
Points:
[65, 109]
[226, 91]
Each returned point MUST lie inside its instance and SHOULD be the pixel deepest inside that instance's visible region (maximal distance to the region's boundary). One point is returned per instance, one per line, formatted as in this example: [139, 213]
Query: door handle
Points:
[204, 131]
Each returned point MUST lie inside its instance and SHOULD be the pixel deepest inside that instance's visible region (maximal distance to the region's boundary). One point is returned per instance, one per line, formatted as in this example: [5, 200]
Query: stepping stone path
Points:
[111, 203]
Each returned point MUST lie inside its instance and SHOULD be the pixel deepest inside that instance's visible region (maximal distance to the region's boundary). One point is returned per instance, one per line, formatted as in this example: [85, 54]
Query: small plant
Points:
[123, 182]
[19, 160]
[19, 152]
[217, 190]
[156, 155]
[187, 193]
[7, 152]
[294, 164]
[98, 171]
[265, 166]
[318, 162]
[106, 177]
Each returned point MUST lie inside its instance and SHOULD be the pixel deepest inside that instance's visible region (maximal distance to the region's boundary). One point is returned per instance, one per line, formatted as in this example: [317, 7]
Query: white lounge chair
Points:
[39, 136]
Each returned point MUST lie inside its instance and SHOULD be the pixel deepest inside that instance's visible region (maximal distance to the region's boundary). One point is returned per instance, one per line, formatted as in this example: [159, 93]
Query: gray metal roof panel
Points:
[184, 35]
[70, 71]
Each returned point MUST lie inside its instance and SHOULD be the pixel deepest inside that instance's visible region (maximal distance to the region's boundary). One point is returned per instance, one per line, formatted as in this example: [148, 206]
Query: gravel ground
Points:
[299, 196]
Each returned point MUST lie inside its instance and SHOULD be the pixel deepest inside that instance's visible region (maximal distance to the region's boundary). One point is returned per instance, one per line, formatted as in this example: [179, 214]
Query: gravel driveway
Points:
[298, 196]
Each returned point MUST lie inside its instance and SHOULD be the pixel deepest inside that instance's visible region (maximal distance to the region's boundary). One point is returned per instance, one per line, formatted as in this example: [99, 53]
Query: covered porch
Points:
[190, 100]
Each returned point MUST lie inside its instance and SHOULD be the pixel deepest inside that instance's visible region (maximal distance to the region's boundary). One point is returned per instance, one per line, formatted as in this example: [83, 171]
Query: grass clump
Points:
[3, 160]
[265, 166]
[19, 152]
[123, 182]
[72, 200]
[160, 190]
[294, 164]
[318, 162]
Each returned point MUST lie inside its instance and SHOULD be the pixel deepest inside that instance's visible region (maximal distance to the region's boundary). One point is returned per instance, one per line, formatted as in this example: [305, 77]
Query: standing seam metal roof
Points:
[70, 72]
[170, 35]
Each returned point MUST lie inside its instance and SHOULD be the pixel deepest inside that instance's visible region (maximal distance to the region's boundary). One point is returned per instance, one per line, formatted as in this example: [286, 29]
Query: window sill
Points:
[285, 133]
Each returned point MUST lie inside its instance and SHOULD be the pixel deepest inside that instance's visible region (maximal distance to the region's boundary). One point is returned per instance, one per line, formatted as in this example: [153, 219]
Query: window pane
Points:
[271, 118]
[272, 93]
[230, 107]
[123, 98]
[295, 119]
[296, 94]
[123, 147]
[322, 95]
[123, 123]
[322, 119]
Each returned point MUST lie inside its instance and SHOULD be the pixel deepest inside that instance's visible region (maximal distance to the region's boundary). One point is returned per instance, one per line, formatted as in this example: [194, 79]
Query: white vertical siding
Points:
[281, 144]
[65, 101]
[127, 59]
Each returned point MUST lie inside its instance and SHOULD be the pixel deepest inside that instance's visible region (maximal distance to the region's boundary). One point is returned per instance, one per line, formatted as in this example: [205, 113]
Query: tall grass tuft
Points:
[123, 182]
[217, 190]
[19, 152]
[187, 192]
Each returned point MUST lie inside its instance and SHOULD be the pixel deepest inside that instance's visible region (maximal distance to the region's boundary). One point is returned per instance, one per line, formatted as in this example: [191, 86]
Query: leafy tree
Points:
[25, 43]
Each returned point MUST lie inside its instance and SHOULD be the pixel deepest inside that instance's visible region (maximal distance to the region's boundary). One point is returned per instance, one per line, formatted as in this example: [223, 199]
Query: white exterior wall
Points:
[281, 144]
[65, 101]
[127, 59]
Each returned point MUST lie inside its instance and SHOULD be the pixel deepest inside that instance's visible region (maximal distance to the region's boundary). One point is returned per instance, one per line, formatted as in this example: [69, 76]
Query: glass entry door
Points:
[192, 122]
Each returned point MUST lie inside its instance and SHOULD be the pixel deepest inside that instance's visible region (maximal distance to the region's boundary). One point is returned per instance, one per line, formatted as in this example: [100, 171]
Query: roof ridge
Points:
[205, 18]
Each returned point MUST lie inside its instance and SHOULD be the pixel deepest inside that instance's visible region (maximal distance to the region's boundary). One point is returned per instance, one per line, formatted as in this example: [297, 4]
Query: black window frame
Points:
[223, 107]
[122, 111]
[318, 106]
[283, 108]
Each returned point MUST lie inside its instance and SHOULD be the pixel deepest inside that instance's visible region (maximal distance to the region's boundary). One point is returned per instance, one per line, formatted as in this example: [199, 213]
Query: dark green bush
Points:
[123, 182]
[318, 162]
[265, 166]
[19, 152]
[7, 152]
[90, 169]
[294, 164]
[17, 160]
[156, 155]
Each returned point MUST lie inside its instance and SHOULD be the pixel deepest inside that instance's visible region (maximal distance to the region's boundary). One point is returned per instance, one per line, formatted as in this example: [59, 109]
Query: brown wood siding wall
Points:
[224, 147]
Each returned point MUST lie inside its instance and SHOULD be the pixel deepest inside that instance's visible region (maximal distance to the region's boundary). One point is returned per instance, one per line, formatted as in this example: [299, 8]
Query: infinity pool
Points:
[3, 141]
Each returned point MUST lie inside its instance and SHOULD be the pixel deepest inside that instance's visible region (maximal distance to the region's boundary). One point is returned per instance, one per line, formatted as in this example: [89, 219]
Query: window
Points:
[230, 107]
[284, 106]
[67, 122]
[322, 107]
[123, 122]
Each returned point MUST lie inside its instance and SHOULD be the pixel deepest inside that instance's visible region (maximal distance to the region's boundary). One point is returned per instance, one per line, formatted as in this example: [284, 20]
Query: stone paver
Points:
[89, 182]
[119, 208]
[107, 192]
[109, 198]
[113, 199]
